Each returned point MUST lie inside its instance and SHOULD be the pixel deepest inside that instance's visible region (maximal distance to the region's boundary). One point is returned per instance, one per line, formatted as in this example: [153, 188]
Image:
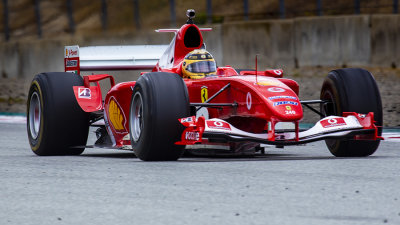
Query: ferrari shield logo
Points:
[204, 94]
[288, 108]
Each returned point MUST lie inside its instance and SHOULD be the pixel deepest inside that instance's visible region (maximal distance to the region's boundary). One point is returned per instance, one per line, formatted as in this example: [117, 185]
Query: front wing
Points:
[350, 126]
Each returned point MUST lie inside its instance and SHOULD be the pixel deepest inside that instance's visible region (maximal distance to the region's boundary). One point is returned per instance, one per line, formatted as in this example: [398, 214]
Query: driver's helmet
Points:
[198, 64]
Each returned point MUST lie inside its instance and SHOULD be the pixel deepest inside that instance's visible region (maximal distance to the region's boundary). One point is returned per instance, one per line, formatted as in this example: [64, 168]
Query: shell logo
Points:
[116, 116]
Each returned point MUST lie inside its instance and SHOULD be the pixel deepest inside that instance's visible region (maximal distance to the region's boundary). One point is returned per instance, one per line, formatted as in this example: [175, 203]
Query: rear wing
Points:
[100, 58]
[176, 30]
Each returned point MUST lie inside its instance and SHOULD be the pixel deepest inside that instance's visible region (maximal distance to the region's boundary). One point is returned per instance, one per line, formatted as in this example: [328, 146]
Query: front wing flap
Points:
[350, 126]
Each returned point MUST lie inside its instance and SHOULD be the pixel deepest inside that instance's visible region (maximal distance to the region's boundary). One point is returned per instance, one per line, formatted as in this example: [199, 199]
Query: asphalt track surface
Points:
[295, 185]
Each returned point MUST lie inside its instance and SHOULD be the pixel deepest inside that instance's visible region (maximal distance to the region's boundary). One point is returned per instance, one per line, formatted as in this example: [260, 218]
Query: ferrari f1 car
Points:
[186, 100]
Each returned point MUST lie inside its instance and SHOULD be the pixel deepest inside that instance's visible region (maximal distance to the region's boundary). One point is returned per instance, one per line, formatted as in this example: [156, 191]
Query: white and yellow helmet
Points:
[198, 64]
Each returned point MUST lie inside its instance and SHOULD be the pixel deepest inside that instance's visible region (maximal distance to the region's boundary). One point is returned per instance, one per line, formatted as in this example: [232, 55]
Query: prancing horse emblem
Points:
[204, 94]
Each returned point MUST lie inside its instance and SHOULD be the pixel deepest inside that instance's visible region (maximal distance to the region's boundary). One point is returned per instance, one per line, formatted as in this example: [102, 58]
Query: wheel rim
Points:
[34, 115]
[136, 115]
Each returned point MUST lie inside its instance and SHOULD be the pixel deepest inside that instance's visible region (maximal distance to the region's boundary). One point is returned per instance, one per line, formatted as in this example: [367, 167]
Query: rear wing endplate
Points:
[101, 58]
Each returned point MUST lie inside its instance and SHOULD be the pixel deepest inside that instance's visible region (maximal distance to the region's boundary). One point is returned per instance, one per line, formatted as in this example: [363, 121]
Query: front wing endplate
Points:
[350, 126]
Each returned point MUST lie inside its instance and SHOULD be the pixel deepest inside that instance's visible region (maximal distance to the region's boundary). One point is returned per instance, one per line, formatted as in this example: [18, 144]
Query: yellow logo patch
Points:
[288, 108]
[268, 83]
[116, 117]
[204, 94]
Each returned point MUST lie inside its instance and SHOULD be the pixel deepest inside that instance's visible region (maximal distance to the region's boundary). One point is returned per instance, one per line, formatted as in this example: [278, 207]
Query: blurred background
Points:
[27, 19]
[307, 38]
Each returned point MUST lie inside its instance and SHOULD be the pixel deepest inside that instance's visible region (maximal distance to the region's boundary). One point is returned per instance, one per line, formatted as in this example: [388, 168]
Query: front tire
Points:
[56, 124]
[352, 90]
[159, 99]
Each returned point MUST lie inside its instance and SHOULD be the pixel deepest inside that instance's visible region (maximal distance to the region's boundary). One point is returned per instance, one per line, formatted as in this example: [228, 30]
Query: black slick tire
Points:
[56, 124]
[159, 99]
[352, 90]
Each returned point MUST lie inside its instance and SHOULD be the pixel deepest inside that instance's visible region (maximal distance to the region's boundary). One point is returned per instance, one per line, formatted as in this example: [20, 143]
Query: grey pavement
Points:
[295, 185]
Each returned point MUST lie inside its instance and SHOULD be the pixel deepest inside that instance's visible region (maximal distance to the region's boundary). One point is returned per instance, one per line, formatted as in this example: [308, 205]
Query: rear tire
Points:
[159, 99]
[352, 90]
[56, 124]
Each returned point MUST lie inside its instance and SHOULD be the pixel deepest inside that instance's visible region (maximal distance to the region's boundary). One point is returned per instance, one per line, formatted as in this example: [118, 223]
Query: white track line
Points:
[393, 137]
[13, 119]
[390, 136]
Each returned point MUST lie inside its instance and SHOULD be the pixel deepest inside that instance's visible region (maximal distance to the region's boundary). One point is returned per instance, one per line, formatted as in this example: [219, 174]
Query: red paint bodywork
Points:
[254, 107]
[261, 97]
[121, 94]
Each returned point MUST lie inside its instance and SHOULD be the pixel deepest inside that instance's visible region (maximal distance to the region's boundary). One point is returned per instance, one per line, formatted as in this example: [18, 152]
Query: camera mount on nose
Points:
[190, 13]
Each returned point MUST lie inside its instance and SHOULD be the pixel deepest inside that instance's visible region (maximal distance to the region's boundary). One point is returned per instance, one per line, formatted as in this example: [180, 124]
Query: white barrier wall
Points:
[315, 41]
[337, 41]
[385, 40]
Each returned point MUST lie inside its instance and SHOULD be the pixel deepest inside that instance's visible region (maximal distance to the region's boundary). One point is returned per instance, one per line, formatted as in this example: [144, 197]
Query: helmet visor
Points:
[202, 67]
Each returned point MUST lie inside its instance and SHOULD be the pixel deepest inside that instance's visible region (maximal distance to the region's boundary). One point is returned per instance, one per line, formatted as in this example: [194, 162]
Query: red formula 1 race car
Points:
[186, 100]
